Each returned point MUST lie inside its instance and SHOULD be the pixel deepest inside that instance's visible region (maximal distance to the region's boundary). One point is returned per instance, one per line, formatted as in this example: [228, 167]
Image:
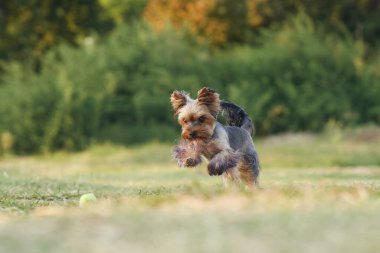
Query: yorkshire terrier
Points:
[229, 149]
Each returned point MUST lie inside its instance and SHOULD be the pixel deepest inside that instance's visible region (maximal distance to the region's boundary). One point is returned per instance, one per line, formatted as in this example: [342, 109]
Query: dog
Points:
[228, 148]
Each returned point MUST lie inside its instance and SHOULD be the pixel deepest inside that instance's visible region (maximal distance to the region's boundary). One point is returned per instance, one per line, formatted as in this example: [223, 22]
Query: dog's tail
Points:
[236, 116]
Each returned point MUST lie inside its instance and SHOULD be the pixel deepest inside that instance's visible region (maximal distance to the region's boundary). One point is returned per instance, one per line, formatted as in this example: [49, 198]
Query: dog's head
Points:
[197, 117]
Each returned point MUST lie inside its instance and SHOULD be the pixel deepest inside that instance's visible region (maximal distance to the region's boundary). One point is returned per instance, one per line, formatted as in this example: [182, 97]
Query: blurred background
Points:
[84, 108]
[74, 73]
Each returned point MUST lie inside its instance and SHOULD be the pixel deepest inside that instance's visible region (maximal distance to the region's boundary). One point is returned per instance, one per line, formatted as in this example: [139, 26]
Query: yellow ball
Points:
[86, 199]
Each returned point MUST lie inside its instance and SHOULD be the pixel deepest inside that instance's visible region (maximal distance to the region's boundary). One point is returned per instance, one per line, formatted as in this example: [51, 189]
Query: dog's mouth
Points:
[196, 137]
[190, 138]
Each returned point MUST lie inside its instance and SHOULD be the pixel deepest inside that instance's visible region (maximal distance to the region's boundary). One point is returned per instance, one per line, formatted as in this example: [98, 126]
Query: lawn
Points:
[318, 193]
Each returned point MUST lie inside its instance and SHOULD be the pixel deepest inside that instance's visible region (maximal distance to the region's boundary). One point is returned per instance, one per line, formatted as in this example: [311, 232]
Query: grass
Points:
[318, 194]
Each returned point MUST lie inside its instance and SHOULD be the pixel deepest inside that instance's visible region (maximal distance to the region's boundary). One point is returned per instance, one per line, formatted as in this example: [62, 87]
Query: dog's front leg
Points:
[221, 162]
[187, 154]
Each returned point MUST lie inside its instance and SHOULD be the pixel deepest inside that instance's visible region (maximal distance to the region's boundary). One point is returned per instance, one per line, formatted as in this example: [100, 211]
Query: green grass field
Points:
[318, 194]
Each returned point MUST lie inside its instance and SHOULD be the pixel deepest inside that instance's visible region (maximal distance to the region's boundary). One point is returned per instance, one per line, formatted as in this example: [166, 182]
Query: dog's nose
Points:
[193, 134]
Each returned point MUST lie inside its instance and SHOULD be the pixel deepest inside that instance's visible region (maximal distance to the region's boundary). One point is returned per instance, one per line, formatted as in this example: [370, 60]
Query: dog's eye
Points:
[184, 121]
[202, 119]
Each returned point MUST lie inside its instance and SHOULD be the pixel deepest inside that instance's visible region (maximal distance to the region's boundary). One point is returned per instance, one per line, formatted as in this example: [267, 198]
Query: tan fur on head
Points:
[210, 99]
[197, 117]
[178, 100]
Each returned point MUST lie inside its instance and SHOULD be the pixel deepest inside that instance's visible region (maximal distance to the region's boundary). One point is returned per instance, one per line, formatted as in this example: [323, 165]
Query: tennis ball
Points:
[86, 199]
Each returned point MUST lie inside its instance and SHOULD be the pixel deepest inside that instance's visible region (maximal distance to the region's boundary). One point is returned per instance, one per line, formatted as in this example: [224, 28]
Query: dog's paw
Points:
[218, 166]
[191, 162]
[214, 170]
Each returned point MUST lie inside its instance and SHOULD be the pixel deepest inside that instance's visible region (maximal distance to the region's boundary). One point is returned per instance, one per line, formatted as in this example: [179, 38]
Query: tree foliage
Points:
[30, 27]
[118, 89]
[222, 22]
[75, 72]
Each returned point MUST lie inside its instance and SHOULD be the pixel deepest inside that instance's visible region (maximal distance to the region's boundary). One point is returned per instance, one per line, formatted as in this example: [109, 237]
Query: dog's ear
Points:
[209, 98]
[178, 100]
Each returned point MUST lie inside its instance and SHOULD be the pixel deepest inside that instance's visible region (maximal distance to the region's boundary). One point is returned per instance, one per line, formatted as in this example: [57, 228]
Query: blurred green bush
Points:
[300, 78]
[118, 89]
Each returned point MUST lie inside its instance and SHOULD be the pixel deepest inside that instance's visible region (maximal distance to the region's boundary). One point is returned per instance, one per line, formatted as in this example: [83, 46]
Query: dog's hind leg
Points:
[249, 169]
[231, 177]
